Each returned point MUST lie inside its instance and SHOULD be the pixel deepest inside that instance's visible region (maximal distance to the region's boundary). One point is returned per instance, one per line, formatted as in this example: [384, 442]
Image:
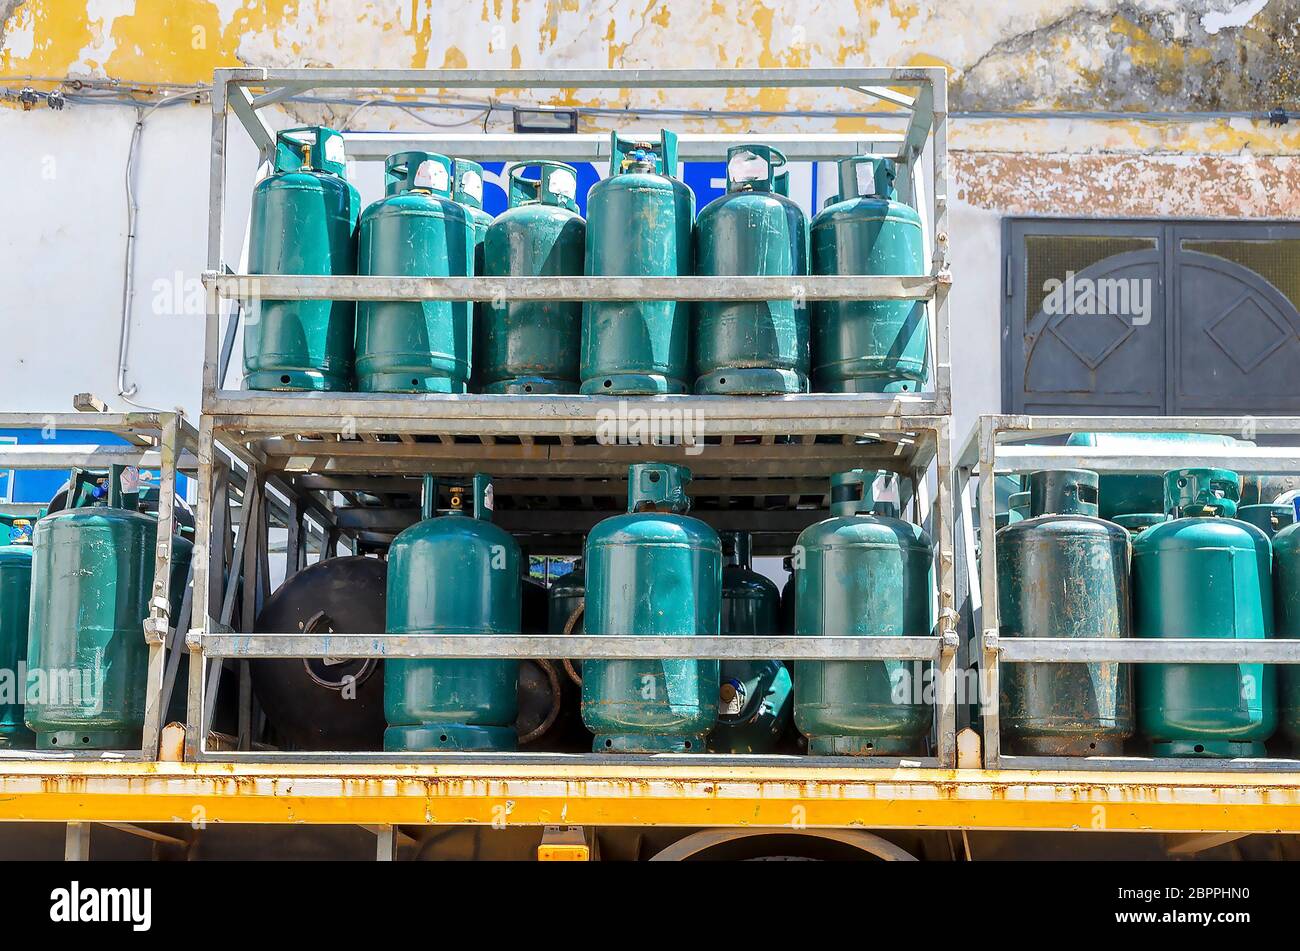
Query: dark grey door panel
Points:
[1236, 341]
[1067, 352]
[1217, 330]
[1108, 359]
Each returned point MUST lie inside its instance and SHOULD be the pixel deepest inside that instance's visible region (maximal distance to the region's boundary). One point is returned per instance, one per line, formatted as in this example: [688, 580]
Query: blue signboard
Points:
[40, 485]
[706, 179]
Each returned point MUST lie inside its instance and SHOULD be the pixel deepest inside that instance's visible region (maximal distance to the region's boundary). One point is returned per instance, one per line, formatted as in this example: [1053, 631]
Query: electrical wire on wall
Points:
[111, 92]
[125, 390]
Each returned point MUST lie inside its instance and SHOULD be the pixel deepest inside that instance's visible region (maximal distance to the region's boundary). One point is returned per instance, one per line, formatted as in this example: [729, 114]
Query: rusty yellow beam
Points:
[649, 795]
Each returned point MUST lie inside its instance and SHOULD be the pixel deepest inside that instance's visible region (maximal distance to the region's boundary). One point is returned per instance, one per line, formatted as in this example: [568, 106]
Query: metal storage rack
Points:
[989, 450]
[760, 463]
[161, 441]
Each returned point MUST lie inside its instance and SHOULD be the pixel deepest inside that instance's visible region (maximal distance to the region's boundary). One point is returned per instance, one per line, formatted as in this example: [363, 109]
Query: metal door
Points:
[1151, 318]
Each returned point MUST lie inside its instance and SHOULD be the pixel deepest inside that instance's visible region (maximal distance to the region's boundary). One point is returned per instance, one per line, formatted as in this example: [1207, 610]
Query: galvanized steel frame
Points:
[925, 115]
[986, 453]
[215, 636]
[248, 426]
[162, 441]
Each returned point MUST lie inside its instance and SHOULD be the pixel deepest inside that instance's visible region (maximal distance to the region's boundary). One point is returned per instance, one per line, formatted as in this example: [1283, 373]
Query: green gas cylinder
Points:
[748, 348]
[1139, 493]
[1010, 500]
[862, 575]
[532, 346]
[755, 696]
[417, 230]
[1269, 519]
[639, 224]
[868, 346]
[655, 572]
[467, 189]
[564, 597]
[1286, 593]
[1064, 572]
[456, 573]
[787, 596]
[92, 575]
[304, 221]
[1204, 574]
[15, 603]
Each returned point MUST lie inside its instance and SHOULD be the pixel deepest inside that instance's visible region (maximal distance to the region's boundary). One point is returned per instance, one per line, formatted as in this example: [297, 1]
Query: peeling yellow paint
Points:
[174, 36]
[454, 59]
[1183, 186]
[925, 59]
[59, 35]
[903, 13]
[1146, 50]
[175, 41]
[182, 41]
[421, 36]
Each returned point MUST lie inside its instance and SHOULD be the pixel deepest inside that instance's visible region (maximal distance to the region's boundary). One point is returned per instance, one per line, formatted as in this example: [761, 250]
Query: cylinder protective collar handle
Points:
[658, 487]
[467, 183]
[848, 490]
[86, 488]
[867, 176]
[313, 146]
[428, 171]
[556, 184]
[754, 168]
[737, 548]
[483, 497]
[664, 152]
[1063, 492]
[481, 503]
[1201, 492]
[864, 492]
[781, 182]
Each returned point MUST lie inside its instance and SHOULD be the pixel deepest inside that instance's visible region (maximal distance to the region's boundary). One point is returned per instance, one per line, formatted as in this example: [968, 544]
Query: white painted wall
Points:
[63, 245]
[975, 313]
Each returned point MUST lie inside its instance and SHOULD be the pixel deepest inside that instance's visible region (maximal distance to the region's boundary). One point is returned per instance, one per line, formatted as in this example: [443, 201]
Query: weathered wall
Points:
[1062, 54]
[63, 241]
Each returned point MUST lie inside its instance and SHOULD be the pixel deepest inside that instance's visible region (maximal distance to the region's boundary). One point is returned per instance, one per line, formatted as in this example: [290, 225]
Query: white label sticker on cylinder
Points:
[487, 497]
[564, 183]
[130, 480]
[747, 167]
[432, 175]
[471, 183]
[334, 149]
[866, 173]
